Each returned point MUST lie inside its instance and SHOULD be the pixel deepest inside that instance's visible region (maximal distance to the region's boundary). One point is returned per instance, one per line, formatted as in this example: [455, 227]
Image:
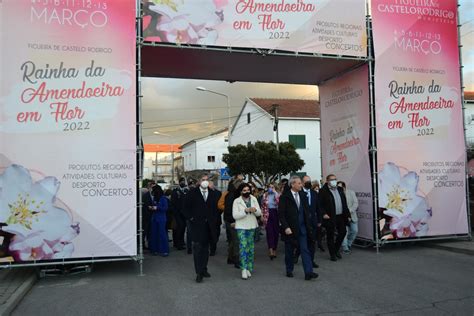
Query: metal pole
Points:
[228, 116]
[468, 207]
[275, 129]
[172, 165]
[139, 42]
[373, 126]
[156, 166]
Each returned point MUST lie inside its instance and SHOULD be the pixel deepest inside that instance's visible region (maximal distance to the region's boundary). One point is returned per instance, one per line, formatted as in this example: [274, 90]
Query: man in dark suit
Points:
[293, 212]
[335, 214]
[147, 210]
[177, 204]
[315, 216]
[201, 210]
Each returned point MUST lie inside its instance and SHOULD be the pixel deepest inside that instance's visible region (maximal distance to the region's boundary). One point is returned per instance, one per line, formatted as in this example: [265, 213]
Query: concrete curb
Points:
[18, 295]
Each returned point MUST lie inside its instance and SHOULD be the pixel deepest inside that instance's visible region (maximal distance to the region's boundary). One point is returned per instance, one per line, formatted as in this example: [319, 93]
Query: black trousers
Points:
[179, 230]
[332, 227]
[201, 253]
[213, 243]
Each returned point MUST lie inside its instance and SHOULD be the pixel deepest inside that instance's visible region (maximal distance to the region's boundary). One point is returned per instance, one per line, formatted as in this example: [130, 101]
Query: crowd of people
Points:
[296, 211]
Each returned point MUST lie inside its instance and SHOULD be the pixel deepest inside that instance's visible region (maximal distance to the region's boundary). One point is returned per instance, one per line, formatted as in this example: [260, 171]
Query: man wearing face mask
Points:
[177, 205]
[335, 214]
[201, 210]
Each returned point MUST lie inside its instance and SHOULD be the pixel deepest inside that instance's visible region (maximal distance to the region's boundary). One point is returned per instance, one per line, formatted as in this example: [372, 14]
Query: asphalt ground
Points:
[401, 280]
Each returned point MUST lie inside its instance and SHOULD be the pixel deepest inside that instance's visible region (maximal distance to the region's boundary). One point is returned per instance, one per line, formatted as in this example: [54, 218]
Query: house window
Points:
[248, 118]
[299, 141]
[211, 158]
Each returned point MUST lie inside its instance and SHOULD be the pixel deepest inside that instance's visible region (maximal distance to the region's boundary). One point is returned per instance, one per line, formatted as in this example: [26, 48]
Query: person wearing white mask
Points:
[335, 214]
[201, 210]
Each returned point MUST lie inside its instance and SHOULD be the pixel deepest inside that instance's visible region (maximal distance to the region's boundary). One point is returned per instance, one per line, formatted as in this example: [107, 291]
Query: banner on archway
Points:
[420, 135]
[67, 130]
[317, 26]
[345, 139]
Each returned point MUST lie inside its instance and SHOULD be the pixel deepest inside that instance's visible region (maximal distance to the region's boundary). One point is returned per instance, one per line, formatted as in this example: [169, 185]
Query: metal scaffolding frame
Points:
[372, 150]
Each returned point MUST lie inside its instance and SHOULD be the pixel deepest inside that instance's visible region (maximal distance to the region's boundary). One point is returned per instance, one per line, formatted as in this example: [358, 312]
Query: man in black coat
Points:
[335, 214]
[201, 210]
[147, 210]
[293, 212]
[177, 204]
[315, 215]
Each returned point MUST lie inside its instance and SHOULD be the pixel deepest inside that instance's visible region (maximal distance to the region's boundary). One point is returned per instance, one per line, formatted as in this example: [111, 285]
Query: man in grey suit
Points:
[352, 227]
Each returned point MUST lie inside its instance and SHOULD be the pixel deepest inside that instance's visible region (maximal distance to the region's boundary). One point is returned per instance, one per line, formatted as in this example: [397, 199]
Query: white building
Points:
[469, 117]
[205, 153]
[299, 124]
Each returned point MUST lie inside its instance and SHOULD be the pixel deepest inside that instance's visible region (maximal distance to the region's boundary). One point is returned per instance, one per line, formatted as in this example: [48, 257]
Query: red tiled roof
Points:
[291, 107]
[469, 95]
[162, 148]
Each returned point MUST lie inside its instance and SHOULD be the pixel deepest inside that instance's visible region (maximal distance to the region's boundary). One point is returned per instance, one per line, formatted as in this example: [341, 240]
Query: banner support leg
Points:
[373, 144]
[468, 207]
[139, 41]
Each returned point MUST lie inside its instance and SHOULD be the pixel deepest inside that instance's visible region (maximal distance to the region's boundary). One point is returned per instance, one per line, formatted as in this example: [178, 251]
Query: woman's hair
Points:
[242, 187]
[157, 192]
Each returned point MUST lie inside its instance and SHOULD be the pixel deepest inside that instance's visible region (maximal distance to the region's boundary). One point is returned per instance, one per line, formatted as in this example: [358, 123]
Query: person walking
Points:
[335, 215]
[147, 211]
[293, 212]
[315, 216]
[159, 244]
[213, 244]
[352, 228]
[201, 210]
[245, 211]
[233, 242]
[270, 219]
[177, 204]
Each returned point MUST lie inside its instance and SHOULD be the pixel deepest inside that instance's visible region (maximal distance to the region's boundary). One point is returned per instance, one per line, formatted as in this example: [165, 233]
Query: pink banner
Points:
[316, 26]
[420, 135]
[67, 129]
[345, 139]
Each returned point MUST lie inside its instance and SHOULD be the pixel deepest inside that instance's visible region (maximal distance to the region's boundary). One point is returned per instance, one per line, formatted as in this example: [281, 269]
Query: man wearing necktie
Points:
[314, 214]
[294, 215]
[201, 210]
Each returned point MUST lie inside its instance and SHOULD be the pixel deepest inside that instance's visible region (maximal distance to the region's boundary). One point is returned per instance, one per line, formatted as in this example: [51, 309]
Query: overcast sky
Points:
[176, 110]
[179, 112]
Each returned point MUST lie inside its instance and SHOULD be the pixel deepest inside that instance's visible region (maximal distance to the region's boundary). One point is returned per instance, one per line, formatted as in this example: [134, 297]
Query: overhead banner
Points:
[420, 135]
[345, 139]
[311, 26]
[67, 130]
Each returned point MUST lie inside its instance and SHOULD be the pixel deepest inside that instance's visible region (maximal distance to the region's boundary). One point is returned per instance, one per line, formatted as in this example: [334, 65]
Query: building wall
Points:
[211, 146]
[312, 153]
[189, 156]
[195, 155]
[259, 129]
[469, 118]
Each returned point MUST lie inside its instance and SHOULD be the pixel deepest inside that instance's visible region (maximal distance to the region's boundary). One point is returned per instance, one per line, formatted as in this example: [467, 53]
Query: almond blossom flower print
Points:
[407, 212]
[40, 229]
[188, 22]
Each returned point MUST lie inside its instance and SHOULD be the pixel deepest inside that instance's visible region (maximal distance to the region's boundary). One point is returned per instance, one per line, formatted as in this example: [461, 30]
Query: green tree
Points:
[262, 161]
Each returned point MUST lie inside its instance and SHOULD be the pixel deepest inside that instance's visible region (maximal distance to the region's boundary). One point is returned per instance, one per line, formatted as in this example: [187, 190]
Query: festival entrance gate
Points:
[71, 155]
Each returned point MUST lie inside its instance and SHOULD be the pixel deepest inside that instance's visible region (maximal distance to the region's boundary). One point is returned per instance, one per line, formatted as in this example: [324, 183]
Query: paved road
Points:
[403, 280]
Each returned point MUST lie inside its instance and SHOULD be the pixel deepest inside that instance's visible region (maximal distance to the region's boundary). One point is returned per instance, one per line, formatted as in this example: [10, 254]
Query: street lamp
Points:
[228, 106]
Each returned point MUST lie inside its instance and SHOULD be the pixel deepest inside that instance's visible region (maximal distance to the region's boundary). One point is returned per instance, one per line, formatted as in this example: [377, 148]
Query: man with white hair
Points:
[294, 215]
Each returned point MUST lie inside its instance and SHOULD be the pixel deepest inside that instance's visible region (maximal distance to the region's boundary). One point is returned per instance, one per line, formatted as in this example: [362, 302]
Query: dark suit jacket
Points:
[147, 202]
[314, 210]
[288, 215]
[177, 200]
[203, 215]
[328, 205]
